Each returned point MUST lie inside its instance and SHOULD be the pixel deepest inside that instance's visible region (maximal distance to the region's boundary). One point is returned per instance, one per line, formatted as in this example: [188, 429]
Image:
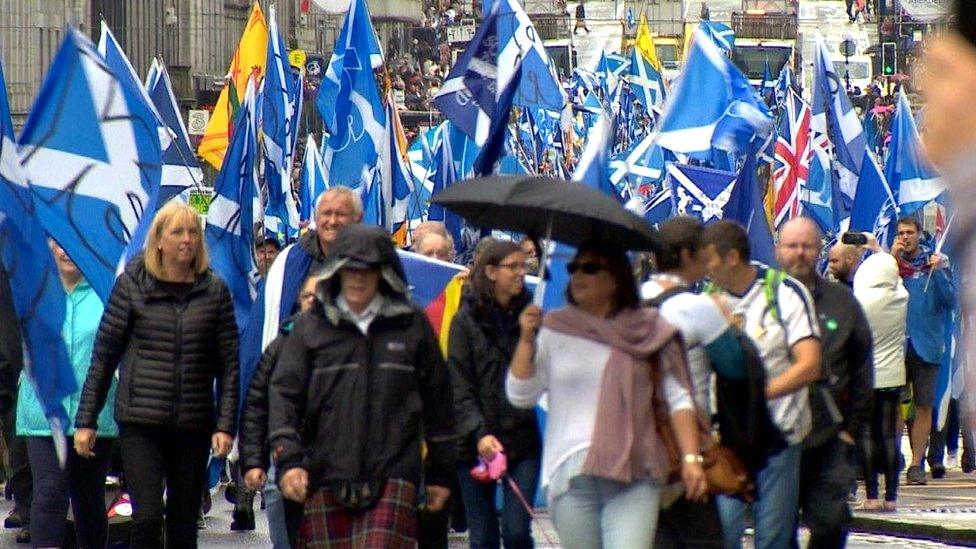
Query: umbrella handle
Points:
[540, 289]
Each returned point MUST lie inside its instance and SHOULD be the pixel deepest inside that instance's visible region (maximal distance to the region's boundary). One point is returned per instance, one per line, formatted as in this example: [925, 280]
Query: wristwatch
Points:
[692, 458]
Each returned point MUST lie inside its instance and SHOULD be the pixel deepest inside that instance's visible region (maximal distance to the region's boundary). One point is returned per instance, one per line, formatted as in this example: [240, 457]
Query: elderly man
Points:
[435, 245]
[843, 261]
[841, 399]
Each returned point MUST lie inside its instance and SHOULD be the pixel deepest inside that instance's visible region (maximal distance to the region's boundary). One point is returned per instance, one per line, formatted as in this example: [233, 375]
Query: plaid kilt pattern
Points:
[391, 523]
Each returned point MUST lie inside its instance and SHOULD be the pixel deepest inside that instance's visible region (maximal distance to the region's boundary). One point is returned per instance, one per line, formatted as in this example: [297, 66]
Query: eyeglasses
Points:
[587, 268]
[518, 267]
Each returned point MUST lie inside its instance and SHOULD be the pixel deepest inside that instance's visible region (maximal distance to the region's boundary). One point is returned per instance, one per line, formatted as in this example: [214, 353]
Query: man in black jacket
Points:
[359, 384]
[11, 363]
[841, 399]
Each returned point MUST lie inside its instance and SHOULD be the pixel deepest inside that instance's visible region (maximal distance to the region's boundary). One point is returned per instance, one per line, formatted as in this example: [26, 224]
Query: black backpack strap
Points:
[660, 298]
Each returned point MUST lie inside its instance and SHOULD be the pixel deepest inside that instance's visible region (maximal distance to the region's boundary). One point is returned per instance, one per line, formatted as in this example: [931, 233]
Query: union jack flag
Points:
[793, 153]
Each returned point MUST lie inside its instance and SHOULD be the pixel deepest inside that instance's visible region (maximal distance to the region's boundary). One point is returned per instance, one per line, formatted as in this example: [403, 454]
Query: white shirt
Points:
[775, 339]
[570, 370]
[365, 318]
[700, 322]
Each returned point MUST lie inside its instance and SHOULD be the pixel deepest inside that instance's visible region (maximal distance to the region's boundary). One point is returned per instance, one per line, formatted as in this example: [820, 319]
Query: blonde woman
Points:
[169, 327]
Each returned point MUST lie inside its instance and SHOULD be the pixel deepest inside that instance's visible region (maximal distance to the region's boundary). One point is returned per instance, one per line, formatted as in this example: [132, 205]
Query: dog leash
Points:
[528, 508]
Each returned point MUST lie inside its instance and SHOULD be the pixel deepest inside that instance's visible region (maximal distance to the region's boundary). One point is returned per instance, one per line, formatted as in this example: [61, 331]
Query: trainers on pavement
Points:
[916, 476]
[938, 471]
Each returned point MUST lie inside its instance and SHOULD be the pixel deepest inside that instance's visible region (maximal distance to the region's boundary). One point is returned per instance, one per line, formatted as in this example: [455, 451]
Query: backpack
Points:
[744, 423]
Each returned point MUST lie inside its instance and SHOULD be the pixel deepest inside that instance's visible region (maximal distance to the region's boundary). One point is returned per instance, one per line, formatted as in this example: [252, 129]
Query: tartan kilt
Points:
[392, 522]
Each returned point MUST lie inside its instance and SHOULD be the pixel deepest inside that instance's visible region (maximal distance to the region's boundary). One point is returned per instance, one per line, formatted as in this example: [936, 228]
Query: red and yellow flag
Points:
[250, 58]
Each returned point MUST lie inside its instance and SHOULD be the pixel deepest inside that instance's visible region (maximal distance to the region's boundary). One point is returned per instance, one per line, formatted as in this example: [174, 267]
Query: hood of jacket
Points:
[877, 271]
[364, 247]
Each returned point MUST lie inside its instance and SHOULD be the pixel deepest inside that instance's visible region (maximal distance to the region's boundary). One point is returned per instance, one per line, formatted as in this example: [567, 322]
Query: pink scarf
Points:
[626, 445]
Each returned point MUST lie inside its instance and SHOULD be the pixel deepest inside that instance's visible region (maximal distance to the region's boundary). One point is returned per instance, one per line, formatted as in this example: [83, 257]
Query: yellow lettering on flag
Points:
[645, 44]
[250, 57]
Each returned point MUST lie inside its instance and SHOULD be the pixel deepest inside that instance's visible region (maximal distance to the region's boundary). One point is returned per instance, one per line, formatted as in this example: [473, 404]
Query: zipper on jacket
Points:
[364, 447]
[179, 307]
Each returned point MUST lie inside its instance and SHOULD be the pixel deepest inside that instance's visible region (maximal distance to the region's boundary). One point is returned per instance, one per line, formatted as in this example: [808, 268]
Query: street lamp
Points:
[847, 49]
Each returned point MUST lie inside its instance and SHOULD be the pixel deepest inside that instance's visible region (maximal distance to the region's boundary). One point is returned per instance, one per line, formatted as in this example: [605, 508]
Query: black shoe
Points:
[14, 520]
[916, 476]
[230, 493]
[243, 519]
[207, 503]
[23, 536]
[938, 471]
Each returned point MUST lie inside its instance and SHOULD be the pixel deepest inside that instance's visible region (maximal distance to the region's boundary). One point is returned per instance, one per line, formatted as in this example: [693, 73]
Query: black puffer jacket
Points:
[348, 406]
[253, 438]
[170, 352]
[480, 348]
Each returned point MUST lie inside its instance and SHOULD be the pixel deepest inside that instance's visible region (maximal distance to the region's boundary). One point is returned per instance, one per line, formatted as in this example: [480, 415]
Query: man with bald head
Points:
[843, 261]
[841, 399]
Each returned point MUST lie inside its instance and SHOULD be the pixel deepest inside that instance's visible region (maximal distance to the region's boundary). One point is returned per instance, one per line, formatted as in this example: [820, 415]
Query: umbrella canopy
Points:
[529, 204]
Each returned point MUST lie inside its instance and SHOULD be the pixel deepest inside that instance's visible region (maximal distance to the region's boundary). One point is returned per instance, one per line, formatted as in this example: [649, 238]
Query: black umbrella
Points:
[568, 212]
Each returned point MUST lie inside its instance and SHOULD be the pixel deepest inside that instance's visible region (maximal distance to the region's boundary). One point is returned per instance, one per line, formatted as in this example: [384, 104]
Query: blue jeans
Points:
[274, 504]
[776, 507]
[479, 507]
[595, 512]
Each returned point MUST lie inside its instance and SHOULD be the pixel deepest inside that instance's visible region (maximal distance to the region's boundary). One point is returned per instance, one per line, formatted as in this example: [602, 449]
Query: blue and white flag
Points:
[875, 209]
[835, 117]
[277, 119]
[912, 179]
[820, 195]
[231, 222]
[712, 105]
[312, 182]
[35, 287]
[639, 167]
[702, 193]
[720, 34]
[180, 170]
[659, 207]
[745, 206]
[593, 166]
[91, 152]
[455, 159]
[397, 179]
[350, 104]
[871, 135]
[646, 84]
[784, 84]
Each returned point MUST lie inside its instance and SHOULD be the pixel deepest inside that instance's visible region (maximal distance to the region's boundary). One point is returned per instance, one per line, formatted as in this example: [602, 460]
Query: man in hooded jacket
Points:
[359, 384]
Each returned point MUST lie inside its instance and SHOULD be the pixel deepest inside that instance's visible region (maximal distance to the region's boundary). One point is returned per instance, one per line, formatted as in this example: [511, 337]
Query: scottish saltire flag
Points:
[397, 180]
[180, 169]
[594, 162]
[835, 117]
[912, 179]
[350, 104]
[646, 83]
[231, 223]
[35, 287]
[745, 206]
[312, 182]
[277, 119]
[641, 167]
[871, 132]
[468, 95]
[784, 84]
[91, 153]
[767, 89]
[875, 209]
[821, 195]
[702, 193]
[712, 105]
[792, 158]
[298, 100]
[454, 159]
[720, 34]
[423, 168]
[660, 206]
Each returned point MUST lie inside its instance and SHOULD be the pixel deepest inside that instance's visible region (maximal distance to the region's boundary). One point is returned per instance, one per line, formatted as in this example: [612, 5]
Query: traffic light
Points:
[889, 58]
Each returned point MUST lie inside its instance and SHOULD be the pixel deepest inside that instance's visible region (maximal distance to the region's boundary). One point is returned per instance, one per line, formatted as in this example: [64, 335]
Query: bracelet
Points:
[692, 458]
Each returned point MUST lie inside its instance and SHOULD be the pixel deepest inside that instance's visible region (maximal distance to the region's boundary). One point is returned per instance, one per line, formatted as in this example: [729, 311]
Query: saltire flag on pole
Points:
[820, 196]
[745, 206]
[792, 158]
[712, 106]
[230, 228]
[180, 170]
[35, 287]
[91, 153]
[720, 34]
[644, 43]
[277, 119]
[398, 183]
[312, 182]
[700, 192]
[250, 58]
[875, 209]
[350, 104]
[784, 84]
[912, 179]
[835, 117]
[642, 166]
[646, 83]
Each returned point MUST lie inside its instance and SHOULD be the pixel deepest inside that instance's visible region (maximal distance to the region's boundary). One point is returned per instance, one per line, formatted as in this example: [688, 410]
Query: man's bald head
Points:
[799, 248]
[842, 261]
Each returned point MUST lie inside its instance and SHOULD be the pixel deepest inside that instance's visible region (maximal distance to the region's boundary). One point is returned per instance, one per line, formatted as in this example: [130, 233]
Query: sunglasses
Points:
[587, 268]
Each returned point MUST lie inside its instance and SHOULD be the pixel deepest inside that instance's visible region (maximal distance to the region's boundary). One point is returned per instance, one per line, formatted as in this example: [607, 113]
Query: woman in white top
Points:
[613, 373]
[880, 291]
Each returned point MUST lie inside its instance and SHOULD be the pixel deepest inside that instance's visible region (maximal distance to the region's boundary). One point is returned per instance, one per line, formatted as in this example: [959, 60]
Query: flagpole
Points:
[938, 250]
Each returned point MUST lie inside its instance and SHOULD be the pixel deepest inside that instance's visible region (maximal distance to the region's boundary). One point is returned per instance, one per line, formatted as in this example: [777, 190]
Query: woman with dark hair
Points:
[483, 336]
[613, 373]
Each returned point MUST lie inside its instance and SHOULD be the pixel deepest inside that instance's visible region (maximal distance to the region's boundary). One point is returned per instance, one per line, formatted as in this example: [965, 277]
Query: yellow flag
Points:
[250, 57]
[645, 44]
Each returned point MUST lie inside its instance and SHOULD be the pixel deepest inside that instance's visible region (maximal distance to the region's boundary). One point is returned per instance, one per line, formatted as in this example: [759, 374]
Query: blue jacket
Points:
[83, 313]
[929, 309]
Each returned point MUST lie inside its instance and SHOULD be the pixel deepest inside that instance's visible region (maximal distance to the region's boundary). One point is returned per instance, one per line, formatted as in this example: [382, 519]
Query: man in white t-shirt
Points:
[778, 315]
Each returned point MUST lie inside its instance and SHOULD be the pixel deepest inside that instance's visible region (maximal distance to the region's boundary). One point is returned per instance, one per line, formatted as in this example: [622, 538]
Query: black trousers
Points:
[82, 482]
[150, 457]
[879, 446]
[19, 477]
[689, 525]
[826, 476]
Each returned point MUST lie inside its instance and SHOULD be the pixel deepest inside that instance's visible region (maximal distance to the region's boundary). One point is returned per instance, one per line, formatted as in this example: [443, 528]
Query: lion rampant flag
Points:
[250, 57]
[645, 44]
